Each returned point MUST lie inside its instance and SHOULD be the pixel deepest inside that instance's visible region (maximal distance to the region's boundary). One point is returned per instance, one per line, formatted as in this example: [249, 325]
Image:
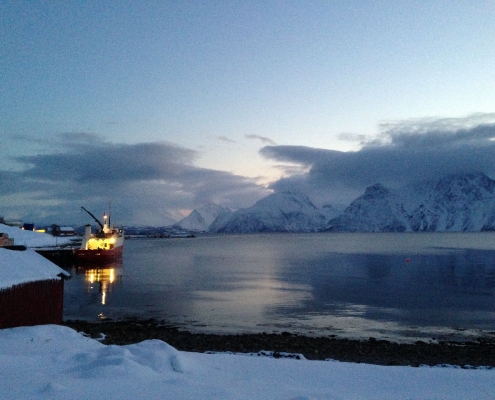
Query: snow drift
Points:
[58, 363]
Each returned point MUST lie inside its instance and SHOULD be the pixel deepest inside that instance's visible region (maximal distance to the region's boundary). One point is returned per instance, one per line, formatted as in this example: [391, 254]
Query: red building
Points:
[31, 289]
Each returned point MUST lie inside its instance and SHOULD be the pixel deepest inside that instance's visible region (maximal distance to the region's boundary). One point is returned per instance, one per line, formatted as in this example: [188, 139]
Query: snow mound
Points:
[149, 357]
[157, 355]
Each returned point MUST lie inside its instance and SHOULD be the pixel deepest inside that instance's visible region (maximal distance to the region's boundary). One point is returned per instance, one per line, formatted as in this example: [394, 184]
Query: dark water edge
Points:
[474, 354]
[401, 288]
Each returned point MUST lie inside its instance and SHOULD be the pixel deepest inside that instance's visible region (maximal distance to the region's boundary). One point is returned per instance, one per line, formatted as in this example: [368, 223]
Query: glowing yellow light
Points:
[92, 244]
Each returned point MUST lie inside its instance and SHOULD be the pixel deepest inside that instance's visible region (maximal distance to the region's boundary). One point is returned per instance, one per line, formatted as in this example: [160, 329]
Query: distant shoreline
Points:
[372, 351]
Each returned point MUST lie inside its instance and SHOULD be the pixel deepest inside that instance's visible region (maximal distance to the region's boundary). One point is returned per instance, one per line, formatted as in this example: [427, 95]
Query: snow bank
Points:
[18, 267]
[56, 362]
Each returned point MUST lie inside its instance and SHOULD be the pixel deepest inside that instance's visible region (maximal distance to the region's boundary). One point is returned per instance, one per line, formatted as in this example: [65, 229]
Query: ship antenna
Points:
[109, 211]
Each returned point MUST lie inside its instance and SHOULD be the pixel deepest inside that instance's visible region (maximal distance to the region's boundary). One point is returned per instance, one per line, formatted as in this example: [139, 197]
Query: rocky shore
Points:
[381, 352]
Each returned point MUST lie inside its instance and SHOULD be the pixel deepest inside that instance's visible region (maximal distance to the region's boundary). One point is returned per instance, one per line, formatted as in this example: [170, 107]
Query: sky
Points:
[159, 107]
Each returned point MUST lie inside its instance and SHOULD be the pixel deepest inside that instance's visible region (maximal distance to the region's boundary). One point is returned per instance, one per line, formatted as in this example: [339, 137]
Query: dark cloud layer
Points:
[106, 162]
[143, 181]
[147, 181]
[405, 153]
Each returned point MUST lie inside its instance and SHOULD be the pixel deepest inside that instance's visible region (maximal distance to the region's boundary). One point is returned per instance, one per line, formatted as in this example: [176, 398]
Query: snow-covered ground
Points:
[32, 239]
[58, 363]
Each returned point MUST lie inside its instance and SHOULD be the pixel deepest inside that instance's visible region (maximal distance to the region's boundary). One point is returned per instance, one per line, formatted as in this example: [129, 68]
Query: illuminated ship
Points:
[107, 243]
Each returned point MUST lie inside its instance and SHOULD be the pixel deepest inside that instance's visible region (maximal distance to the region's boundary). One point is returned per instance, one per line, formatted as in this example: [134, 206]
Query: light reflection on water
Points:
[98, 280]
[382, 285]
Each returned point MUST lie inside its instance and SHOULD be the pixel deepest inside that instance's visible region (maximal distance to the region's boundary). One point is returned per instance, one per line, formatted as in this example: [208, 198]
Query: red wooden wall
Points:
[34, 303]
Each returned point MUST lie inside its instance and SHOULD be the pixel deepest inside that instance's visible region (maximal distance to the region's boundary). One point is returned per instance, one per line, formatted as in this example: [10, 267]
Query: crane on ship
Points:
[96, 219]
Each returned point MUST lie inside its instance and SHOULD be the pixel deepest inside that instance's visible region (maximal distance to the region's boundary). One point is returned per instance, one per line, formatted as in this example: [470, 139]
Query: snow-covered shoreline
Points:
[477, 352]
[58, 363]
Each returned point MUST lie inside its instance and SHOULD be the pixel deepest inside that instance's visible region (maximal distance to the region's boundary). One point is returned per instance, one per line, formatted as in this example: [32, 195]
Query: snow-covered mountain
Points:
[278, 212]
[457, 203]
[330, 211]
[377, 210]
[201, 218]
[462, 202]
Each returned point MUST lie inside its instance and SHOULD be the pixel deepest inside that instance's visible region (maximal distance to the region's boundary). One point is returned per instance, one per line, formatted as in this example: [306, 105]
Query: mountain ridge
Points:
[278, 212]
[455, 203]
[201, 218]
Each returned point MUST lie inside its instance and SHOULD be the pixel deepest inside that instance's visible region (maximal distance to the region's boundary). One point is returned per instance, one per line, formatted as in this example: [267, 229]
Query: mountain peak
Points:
[376, 191]
[202, 217]
[377, 210]
[279, 212]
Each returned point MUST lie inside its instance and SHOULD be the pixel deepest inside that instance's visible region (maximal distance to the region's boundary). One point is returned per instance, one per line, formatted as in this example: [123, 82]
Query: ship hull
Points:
[92, 255]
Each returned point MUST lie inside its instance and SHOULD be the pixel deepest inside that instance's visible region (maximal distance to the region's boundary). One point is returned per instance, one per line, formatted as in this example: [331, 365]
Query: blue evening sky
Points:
[178, 103]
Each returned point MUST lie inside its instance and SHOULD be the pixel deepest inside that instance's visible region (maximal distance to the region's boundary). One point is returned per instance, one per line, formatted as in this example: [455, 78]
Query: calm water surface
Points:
[393, 286]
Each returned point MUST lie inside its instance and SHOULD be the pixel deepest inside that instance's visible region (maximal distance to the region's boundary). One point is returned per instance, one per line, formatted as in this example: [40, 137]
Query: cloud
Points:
[404, 152]
[149, 182]
[352, 137]
[107, 162]
[158, 177]
[225, 139]
[262, 138]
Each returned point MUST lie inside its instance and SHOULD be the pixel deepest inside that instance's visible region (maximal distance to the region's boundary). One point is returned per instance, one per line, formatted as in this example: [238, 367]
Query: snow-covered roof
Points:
[17, 267]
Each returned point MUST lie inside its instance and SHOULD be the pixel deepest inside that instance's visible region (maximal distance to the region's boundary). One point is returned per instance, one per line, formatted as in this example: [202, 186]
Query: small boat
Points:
[107, 243]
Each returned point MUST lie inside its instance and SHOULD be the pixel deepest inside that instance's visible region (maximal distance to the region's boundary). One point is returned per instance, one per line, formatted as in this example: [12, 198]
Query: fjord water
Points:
[404, 286]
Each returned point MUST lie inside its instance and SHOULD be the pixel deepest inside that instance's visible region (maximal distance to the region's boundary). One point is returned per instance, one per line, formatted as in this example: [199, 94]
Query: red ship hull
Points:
[92, 255]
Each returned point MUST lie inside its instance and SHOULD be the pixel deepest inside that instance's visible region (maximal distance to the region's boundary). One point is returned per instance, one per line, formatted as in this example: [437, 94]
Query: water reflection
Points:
[93, 289]
[244, 304]
[101, 278]
[370, 284]
[384, 292]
